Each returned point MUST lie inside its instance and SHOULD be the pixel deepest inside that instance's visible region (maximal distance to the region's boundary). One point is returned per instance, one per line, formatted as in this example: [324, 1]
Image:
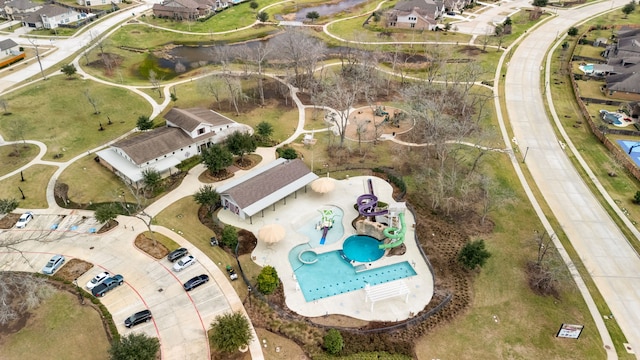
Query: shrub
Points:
[473, 254]
[287, 153]
[229, 237]
[268, 280]
[636, 197]
[333, 342]
[230, 332]
[573, 31]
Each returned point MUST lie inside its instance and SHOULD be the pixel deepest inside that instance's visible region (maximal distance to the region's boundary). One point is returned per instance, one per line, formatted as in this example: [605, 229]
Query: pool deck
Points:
[296, 208]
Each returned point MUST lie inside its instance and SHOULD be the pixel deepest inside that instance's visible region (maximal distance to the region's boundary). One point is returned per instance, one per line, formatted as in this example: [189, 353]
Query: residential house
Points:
[97, 2]
[623, 80]
[17, 9]
[184, 9]
[186, 134]
[624, 86]
[8, 47]
[415, 14]
[264, 187]
[50, 16]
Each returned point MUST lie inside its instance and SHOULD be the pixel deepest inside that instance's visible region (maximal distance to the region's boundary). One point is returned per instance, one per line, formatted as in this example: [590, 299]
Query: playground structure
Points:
[368, 207]
[325, 224]
[394, 233]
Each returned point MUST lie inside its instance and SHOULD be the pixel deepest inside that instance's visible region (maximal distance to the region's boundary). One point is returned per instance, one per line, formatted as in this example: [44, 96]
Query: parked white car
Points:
[184, 262]
[98, 279]
[24, 220]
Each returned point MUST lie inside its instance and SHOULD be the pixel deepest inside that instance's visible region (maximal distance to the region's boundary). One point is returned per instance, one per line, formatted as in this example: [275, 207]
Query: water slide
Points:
[367, 203]
[326, 223]
[395, 234]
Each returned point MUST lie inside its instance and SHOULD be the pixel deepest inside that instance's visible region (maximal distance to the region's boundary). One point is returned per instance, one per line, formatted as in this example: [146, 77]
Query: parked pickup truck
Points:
[107, 285]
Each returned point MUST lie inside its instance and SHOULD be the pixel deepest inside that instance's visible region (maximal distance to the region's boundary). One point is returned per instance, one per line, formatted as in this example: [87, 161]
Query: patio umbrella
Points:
[323, 185]
[271, 233]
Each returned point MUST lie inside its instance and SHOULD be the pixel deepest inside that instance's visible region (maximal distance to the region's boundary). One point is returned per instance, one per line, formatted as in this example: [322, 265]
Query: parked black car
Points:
[137, 318]
[195, 282]
[177, 254]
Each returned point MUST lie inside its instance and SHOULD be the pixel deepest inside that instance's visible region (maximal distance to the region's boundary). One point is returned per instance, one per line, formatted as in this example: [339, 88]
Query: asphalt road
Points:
[608, 257]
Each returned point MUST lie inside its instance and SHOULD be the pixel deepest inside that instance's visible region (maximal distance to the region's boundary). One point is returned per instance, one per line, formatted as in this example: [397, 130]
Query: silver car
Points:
[184, 262]
[53, 264]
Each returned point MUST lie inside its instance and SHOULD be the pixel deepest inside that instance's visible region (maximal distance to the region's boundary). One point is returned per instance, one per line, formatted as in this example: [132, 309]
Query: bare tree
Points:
[93, 101]
[155, 82]
[37, 49]
[5, 106]
[211, 85]
[136, 208]
[258, 55]
[300, 51]
[339, 93]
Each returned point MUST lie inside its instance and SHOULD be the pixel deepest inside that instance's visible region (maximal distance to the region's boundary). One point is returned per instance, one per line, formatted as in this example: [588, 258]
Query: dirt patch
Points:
[151, 247]
[108, 62]
[9, 220]
[73, 269]
[369, 123]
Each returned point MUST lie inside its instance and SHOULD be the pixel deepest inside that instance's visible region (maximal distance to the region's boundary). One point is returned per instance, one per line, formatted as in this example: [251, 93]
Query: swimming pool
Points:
[332, 274]
[308, 227]
[587, 69]
[362, 248]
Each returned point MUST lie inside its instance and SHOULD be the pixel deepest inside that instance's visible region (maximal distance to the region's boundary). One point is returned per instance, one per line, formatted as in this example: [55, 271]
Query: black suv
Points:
[195, 282]
[177, 254]
[137, 318]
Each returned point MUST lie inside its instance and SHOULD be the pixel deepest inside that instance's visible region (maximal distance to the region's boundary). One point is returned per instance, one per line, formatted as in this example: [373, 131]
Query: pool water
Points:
[362, 248]
[332, 274]
[587, 69]
[308, 228]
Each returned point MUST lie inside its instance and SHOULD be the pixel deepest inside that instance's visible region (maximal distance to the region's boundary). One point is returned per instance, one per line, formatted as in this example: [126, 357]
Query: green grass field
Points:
[61, 328]
[12, 160]
[84, 192]
[68, 125]
[34, 187]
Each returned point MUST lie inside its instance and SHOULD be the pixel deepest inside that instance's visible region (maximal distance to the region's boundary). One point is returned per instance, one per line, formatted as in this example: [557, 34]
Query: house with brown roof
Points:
[186, 134]
[265, 186]
[415, 14]
[184, 9]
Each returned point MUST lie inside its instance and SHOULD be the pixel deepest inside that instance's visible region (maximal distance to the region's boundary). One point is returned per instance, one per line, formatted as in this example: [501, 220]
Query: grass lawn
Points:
[104, 186]
[167, 242]
[591, 89]
[353, 30]
[284, 119]
[526, 323]
[12, 161]
[231, 18]
[48, 331]
[182, 217]
[68, 125]
[34, 187]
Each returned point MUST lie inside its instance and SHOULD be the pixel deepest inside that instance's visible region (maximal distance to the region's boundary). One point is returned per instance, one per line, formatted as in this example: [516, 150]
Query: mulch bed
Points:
[9, 220]
[151, 247]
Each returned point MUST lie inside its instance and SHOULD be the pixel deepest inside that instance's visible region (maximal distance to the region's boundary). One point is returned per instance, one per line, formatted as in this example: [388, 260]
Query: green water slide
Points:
[395, 234]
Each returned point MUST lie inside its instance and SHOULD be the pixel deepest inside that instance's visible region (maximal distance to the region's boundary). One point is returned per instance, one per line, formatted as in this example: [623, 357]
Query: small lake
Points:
[328, 9]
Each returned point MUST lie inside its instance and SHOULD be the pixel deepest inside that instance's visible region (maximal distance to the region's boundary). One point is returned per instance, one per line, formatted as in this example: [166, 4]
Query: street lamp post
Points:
[525, 155]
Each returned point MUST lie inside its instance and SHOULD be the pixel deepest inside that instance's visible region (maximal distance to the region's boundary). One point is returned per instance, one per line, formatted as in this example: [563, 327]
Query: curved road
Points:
[608, 257]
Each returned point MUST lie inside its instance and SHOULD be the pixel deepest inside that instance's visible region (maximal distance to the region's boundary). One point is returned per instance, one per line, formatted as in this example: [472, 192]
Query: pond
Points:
[328, 9]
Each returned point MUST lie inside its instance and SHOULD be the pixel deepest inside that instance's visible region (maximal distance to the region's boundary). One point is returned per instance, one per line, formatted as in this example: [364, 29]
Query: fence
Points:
[12, 60]
[615, 150]
[439, 300]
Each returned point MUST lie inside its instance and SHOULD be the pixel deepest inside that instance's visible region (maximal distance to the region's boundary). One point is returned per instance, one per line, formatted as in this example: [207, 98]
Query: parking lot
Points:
[180, 318]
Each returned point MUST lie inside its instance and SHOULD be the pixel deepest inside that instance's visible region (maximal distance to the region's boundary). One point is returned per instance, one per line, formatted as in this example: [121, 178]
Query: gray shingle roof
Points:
[153, 144]
[267, 182]
[7, 44]
[628, 82]
[190, 119]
